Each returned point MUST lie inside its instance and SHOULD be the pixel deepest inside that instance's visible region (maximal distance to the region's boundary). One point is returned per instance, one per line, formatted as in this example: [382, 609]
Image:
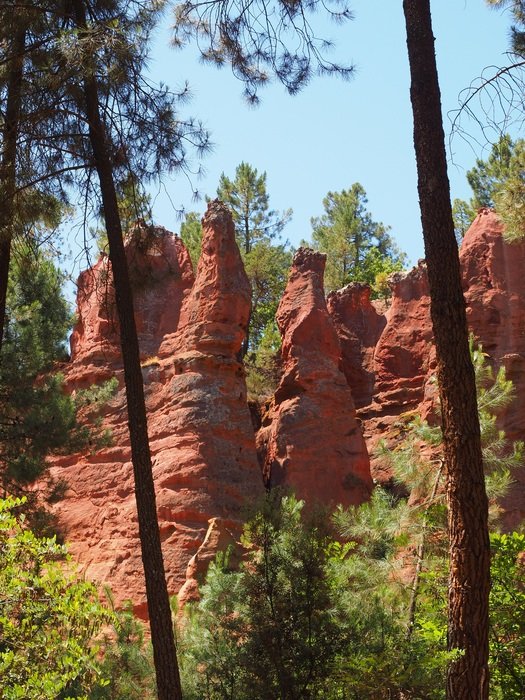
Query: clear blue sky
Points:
[335, 133]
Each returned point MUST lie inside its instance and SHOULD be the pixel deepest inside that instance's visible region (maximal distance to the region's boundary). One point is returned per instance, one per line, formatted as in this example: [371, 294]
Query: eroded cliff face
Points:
[359, 324]
[201, 437]
[403, 364]
[313, 440]
[494, 285]
[160, 270]
[336, 355]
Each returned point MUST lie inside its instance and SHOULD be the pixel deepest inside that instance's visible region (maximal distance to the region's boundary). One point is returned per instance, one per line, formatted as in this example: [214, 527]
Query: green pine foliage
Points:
[266, 259]
[263, 365]
[422, 548]
[386, 661]
[191, 234]
[274, 629]
[49, 619]
[517, 30]
[38, 417]
[308, 616]
[358, 248]
[127, 663]
[134, 205]
[507, 616]
[496, 182]
[249, 201]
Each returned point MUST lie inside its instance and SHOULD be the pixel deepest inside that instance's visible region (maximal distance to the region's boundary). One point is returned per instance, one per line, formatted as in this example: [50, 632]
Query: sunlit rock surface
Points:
[314, 442]
[202, 440]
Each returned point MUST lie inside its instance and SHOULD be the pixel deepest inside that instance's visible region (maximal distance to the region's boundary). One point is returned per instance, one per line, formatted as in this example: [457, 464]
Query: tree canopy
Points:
[358, 248]
[495, 182]
[266, 258]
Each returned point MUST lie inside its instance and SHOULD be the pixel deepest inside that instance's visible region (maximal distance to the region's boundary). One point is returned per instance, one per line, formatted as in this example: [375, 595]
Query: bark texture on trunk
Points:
[467, 677]
[8, 164]
[162, 635]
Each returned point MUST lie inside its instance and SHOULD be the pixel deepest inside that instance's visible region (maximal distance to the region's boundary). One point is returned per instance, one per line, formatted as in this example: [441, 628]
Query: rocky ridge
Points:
[201, 437]
[336, 355]
[314, 443]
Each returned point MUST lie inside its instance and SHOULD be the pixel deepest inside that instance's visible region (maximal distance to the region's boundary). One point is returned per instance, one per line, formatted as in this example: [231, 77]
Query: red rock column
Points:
[404, 357]
[314, 440]
[359, 326]
[205, 459]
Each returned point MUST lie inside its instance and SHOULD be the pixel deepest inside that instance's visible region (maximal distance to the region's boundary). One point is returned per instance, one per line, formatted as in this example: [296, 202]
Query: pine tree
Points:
[102, 149]
[466, 495]
[191, 234]
[275, 628]
[10, 132]
[248, 199]
[257, 227]
[358, 249]
[255, 39]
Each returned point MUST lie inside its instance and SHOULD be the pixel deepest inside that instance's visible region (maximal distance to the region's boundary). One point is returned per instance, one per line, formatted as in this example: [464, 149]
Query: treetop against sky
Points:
[334, 133]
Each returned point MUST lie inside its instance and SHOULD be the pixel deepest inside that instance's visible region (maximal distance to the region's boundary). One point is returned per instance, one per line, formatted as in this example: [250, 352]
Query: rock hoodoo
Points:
[206, 464]
[201, 438]
[314, 442]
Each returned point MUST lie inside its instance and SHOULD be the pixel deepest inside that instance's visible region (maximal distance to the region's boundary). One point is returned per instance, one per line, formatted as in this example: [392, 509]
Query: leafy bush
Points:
[49, 619]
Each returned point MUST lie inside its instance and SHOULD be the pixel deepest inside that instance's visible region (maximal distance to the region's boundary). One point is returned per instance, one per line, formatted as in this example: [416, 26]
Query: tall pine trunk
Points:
[469, 585]
[15, 74]
[162, 636]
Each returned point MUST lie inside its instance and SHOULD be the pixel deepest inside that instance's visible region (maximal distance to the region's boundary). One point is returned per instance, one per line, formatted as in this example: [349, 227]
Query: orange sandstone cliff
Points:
[202, 440]
[314, 442]
[348, 368]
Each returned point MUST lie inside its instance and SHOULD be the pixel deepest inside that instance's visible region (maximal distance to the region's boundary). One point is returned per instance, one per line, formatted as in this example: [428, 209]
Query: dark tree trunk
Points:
[162, 636]
[247, 237]
[467, 501]
[8, 165]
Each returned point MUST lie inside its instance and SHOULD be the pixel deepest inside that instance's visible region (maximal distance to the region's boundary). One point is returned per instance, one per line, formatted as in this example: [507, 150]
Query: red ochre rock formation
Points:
[404, 355]
[160, 270]
[359, 326]
[314, 443]
[494, 285]
[207, 463]
[202, 441]
[388, 357]
[403, 364]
